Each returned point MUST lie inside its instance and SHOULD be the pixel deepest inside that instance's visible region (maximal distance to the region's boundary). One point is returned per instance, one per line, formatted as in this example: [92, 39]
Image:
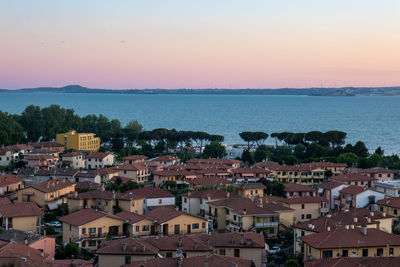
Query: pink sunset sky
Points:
[200, 44]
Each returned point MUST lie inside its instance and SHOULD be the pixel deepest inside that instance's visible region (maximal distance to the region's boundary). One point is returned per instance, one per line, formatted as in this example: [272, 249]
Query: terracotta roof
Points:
[40, 157]
[120, 178]
[9, 179]
[352, 190]
[235, 239]
[342, 219]
[244, 186]
[325, 164]
[305, 199]
[86, 175]
[294, 168]
[131, 167]
[16, 250]
[377, 170]
[20, 236]
[132, 217]
[45, 144]
[135, 157]
[211, 260]
[214, 161]
[208, 181]
[352, 177]
[21, 209]
[103, 171]
[355, 262]
[329, 185]
[393, 202]
[213, 194]
[57, 172]
[72, 154]
[104, 194]
[4, 201]
[163, 214]
[87, 184]
[292, 187]
[254, 170]
[85, 216]
[52, 185]
[128, 246]
[267, 164]
[165, 158]
[242, 206]
[188, 243]
[352, 238]
[97, 155]
[151, 192]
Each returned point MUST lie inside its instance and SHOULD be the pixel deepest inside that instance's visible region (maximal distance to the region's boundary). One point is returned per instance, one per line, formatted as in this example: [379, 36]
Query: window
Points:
[145, 228]
[185, 200]
[227, 212]
[381, 209]
[83, 243]
[365, 252]
[302, 233]
[203, 225]
[92, 243]
[345, 253]
[83, 231]
[222, 251]
[92, 230]
[327, 254]
[391, 251]
[160, 201]
[201, 201]
[302, 206]
[271, 230]
[195, 226]
[302, 216]
[395, 211]
[236, 252]
[168, 254]
[234, 217]
[137, 228]
[308, 216]
[127, 259]
[379, 252]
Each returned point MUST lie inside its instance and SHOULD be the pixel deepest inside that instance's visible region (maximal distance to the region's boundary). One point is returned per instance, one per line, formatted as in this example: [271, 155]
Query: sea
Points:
[372, 119]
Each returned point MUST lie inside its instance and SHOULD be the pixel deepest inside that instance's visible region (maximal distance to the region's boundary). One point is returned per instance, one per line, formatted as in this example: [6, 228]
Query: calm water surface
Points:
[375, 120]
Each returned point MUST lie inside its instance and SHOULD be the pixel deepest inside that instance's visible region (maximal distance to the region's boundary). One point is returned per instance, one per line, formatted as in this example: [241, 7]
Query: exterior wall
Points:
[135, 206]
[300, 194]
[183, 221]
[7, 158]
[300, 214]
[165, 201]
[74, 204]
[37, 197]
[251, 193]
[335, 195]
[383, 176]
[93, 163]
[11, 188]
[79, 141]
[301, 177]
[298, 244]
[47, 244]
[96, 179]
[362, 199]
[119, 260]
[28, 223]
[286, 217]
[254, 254]
[395, 212]
[191, 205]
[76, 162]
[70, 233]
[133, 229]
[386, 225]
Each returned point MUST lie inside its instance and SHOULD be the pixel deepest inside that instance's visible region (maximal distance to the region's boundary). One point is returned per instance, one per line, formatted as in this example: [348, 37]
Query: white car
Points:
[54, 224]
[274, 249]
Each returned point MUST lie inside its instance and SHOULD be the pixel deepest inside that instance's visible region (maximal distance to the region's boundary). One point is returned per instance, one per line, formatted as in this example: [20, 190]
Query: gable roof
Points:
[9, 179]
[151, 192]
[128, 246]
[329, 185]
[352, 177]
[292, 187]
[187, 242]
[243, 206]
[355, 262]
[98, 155]
[104, 194]
[52, 185]
[352, 190]
[132, 217]
[163, 214]
[235, 239]
[213, 194]
[20, 209]
[208, 181]
[135, 157]
[85, 216]
[393, 202]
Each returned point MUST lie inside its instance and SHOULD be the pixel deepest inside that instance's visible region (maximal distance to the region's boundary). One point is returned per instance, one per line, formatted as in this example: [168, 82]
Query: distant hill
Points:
[345, 91]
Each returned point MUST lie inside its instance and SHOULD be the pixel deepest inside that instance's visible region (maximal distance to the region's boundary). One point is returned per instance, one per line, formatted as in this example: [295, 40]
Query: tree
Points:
[335, 138]
[349, 158]
[314, 136]
[215, 150]
[360, 149]
[11, 132]
[261, 153]
[247, 157]
[379, 151]
[32, 122]
[292, 263]
[275, 188]
[132, 131]
[253, 138]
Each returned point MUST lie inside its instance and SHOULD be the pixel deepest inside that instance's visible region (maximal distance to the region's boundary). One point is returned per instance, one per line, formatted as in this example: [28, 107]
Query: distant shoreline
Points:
[344, 91]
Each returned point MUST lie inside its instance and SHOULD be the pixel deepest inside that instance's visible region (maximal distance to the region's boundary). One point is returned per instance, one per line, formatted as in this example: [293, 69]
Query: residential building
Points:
[7, 155]
[41, 176]
[20, 216]
[10, 184]
[137, 225]
[232, 163]
[298, 190]
[300, 174]
[349, 219]
[48, 194]
[131, 159]
[332, 167]
[36, 241]
[351, 243]
[86, 185]
[354, 261]
[107, 201]
[167, 160]
[390, 188]
[16, 254]
[43, 161]
[154, 197]
[47, 147]
[74, 160]
[390, 206]
[170, 221]
[137, 172]
[72, 263]
[106, 174]
[249, 174]
[207, 181]
[89, 228]
[88, 176]
[358, 197]
[380, 174]
[250, 190]
[79, 141]
[97, 160]
[330, 191]
[355, 179]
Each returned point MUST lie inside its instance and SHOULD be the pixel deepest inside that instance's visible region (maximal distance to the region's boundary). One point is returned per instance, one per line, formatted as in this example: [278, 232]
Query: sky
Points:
[199, 44]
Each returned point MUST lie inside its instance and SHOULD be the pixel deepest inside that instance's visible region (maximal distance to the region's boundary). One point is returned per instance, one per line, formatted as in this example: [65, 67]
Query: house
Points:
[106, 174]
[7, 155]
[196, 203]
[331, 167]
[170, 221]
[211, 260]
[86, 186]
[107, 201]
[390, 206]
[330, 191]
[131, 159]
[305, 208]
[154, 197]
[79, 141]
[231, 163]
[298, 190]
[137, 172]
[43, 161]
[354, 261]
[249, 174]
[48, 194]
[16, 254]
[88, 176]
[40, 242]
[9, 184]
[299, 174]
[349, 219]
[137, 225]
[167, 160]
[47, 146]
[366, 242]
[72, 263]
[20, 216]
[390, 188]
[207, 181]
[355, 179]
[97, 160]
[160, 177]
[89, 228]
[240, 214]
[245, 245]
[357, 197]
[74, 160]
[380, 174]
[250, 190]
[41, 176]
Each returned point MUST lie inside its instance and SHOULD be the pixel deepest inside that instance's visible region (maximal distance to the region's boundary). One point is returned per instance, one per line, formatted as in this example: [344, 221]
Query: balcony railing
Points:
[266, 224]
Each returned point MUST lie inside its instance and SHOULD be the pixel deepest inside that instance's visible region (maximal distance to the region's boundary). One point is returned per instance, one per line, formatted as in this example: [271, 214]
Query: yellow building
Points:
[20, 216]
[79, 141]
[367, 242]
[88, 227]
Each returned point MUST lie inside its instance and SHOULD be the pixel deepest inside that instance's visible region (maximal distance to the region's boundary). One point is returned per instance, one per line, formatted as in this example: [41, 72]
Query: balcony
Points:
[266, 224]
[236, 225]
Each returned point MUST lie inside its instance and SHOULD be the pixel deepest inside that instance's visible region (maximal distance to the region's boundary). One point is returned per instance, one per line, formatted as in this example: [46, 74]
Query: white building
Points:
[390, 188]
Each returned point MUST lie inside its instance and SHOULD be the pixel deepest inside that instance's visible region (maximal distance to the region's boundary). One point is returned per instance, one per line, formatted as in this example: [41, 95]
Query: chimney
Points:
[244, 211]
[328, 215]
[195, 245]
[328, 228]
[232, 239]
[364, 230]
[180, 242]
[242, 239]
[189, 193]
[355, 219]
[228, 194]
[372, 213]
[76, 194]
[102, 188]
[384, 214]
[352, 226]
[124, 247]
[44, 232]
[347, 227]
[249, 242]
[113, 194]
[26, 241]
[369, 220]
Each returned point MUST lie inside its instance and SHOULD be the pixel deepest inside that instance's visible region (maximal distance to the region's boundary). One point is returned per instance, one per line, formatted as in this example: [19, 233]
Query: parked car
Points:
[54, 224]
[274, 249]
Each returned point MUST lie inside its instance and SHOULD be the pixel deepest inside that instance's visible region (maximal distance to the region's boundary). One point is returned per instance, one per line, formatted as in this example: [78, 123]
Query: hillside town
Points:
[67, 202]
